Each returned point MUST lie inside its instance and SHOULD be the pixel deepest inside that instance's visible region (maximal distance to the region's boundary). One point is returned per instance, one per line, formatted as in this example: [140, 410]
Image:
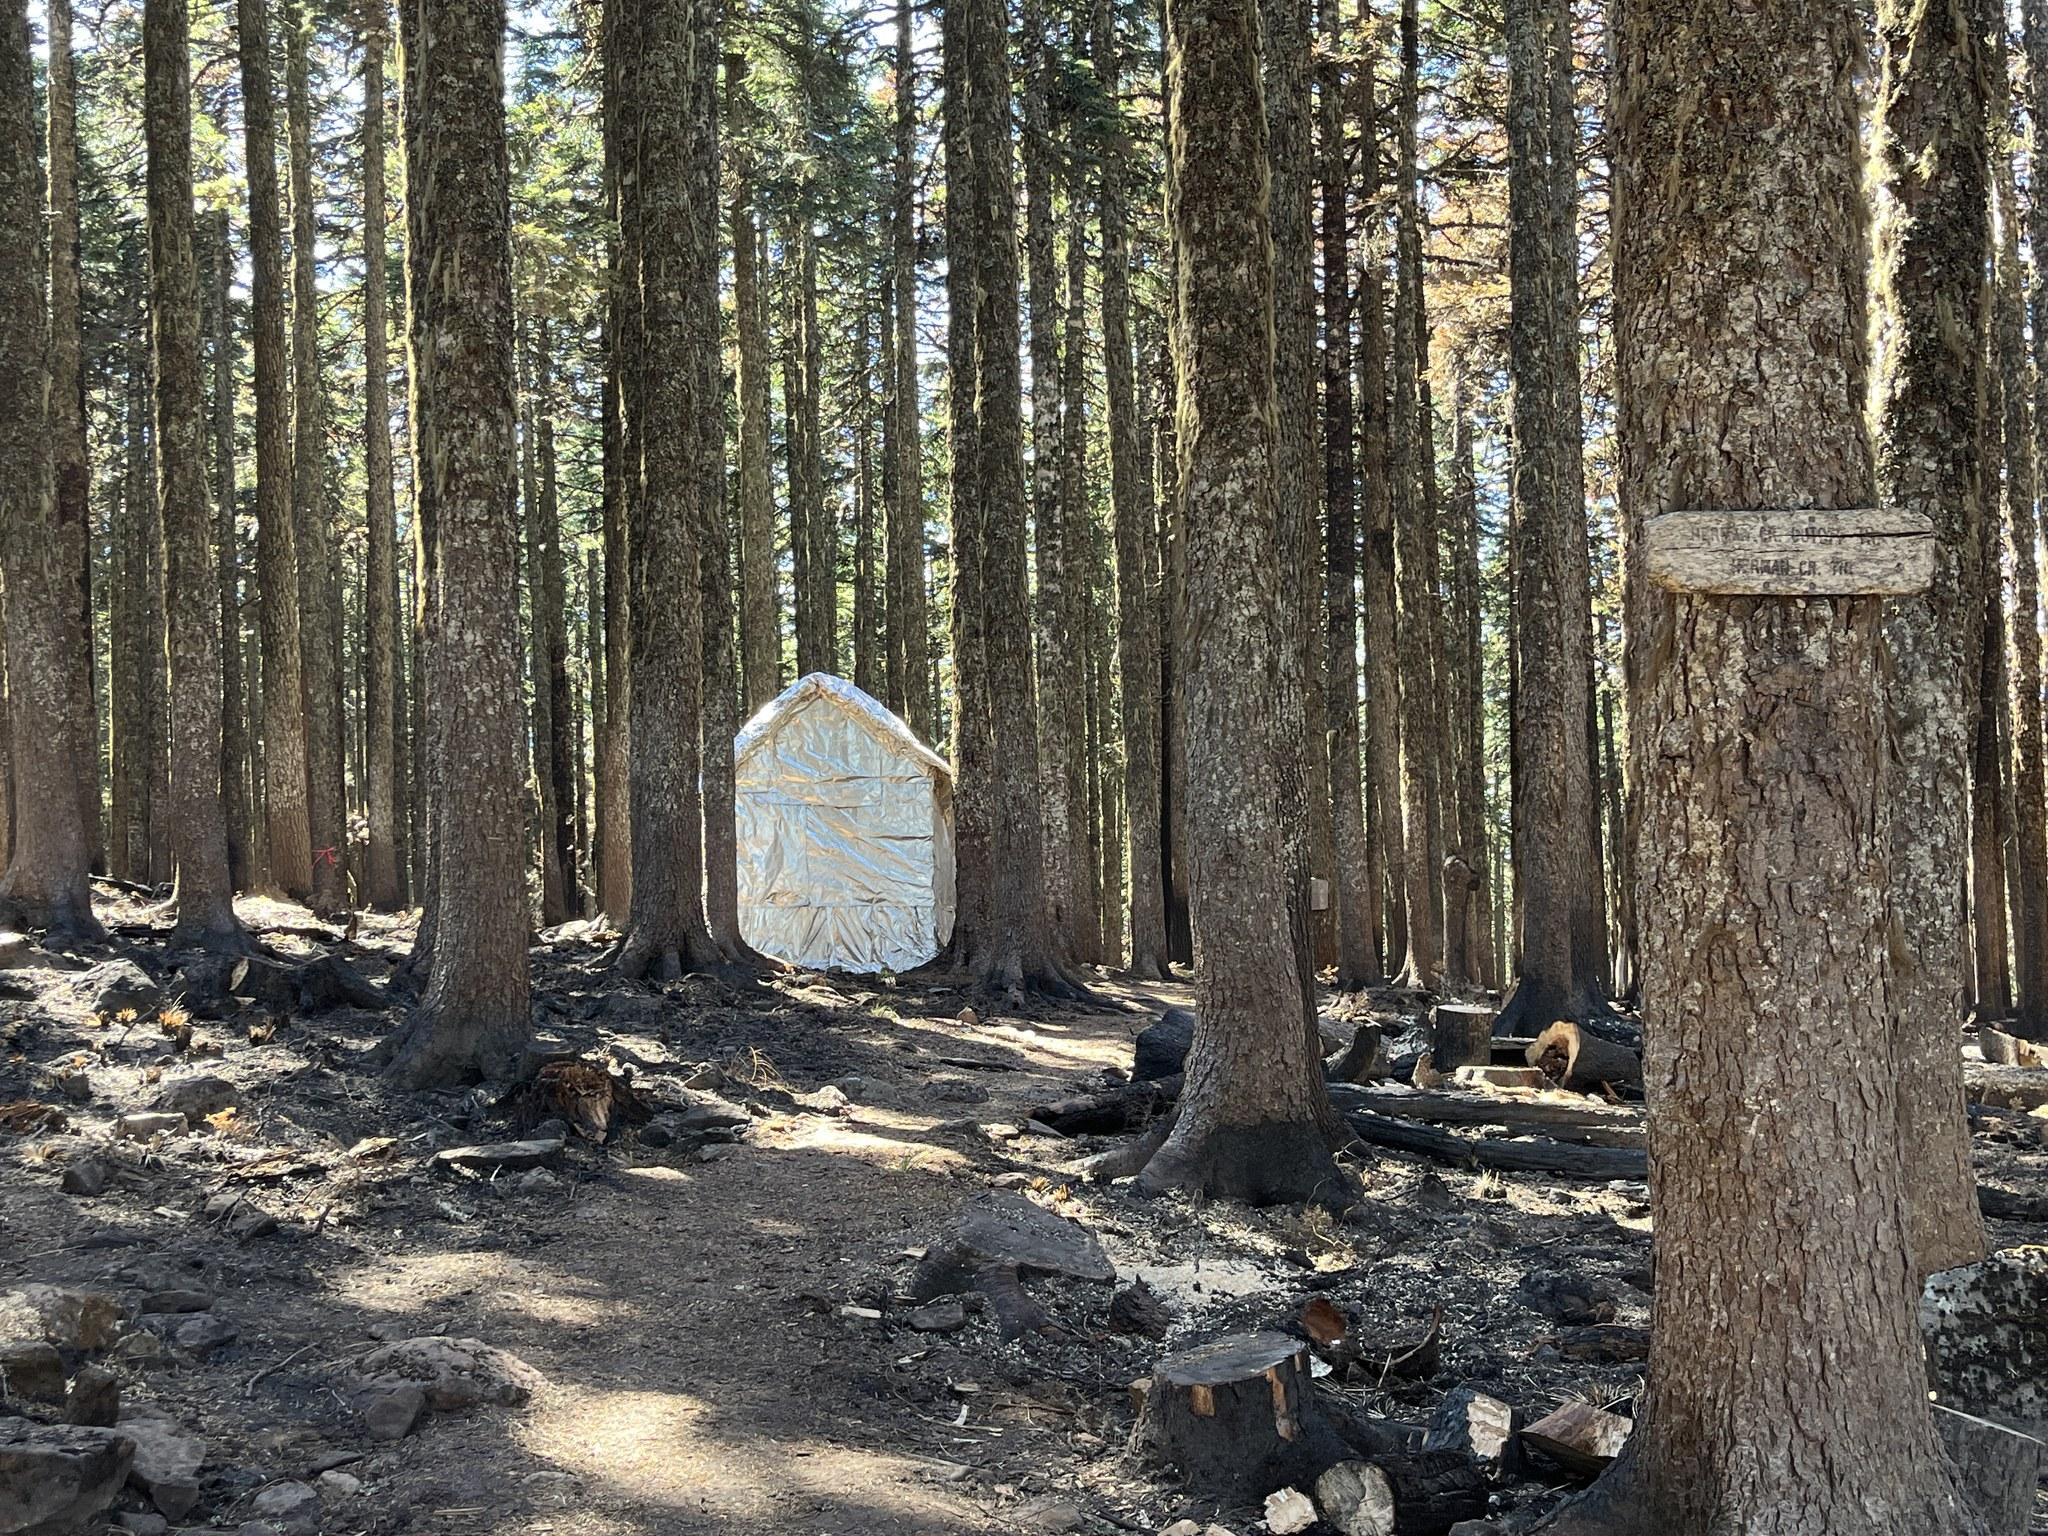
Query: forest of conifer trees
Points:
[1338, 590]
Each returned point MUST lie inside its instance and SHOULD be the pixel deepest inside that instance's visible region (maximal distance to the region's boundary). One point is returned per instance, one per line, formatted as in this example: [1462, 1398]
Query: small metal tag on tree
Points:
[1806, 552]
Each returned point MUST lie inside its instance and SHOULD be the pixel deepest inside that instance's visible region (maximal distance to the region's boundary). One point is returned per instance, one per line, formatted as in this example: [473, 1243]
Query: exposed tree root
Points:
[67, 922]
[434, 1051]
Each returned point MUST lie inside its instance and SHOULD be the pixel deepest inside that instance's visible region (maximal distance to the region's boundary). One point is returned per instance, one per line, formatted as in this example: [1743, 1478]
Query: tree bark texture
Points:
[45, 884]
[72, 466]
[382, 887]
[1931, 253]
[1254, 1121]
[1065, 686]
[1554, 804]
[1138, 595]
[217, 265]
[1785, 1390]
[760, 616]
[1414, 569]
[204, 899]
[1356, 900]
[1008, 939]
[671, 103]
[908, 619]
[319, 658]
[472, 1019]
[287, 838]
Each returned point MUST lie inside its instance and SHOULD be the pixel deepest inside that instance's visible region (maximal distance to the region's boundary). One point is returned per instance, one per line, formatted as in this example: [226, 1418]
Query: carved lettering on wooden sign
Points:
[1810, 552]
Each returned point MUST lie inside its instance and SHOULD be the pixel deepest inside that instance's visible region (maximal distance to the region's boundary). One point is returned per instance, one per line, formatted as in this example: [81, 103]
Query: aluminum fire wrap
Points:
[845, 830]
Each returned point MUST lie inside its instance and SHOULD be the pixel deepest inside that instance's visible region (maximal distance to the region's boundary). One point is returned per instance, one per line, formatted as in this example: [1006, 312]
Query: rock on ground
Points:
[60, 1315]
[167, 1459]
[449, 1373]
[54, 1479]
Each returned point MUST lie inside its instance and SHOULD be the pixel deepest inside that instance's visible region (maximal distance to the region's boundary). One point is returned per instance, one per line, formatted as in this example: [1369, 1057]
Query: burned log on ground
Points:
[1521, 1156]
[2021, 1088]
[2004, 1050]
[1588, 1124]
[998, 1240]
[1112, 1112]
[2004, 1205]
[1137, 1309]
[216, 986]
[1421, 1495]
[1161, 1049]
[1574, 1058]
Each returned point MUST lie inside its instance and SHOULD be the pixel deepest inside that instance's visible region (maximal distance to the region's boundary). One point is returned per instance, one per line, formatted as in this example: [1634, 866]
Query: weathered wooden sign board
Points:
[1802, 553]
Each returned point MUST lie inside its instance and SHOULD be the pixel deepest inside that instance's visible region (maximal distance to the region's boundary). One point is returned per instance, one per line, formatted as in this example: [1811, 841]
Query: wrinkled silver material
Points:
[845, 823]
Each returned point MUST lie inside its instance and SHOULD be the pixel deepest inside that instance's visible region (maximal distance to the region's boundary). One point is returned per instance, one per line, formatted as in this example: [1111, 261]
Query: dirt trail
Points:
[722, 1326]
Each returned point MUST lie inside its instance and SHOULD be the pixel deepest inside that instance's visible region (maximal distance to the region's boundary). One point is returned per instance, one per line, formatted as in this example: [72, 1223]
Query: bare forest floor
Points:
[686, 1306]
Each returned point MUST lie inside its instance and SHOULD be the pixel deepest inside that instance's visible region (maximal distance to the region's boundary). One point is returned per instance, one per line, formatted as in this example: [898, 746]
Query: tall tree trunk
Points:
[561, 756]
[1285, 40]
[973, 832]
[287, 839]
[381, 885]
[472, 1019]
[1414, 567]
[1356, 902]
[671, 202]
[866, 600]
[155, 652]
[218, 265]
[1467, 654]
[1058, 689]
[128, 637]
[73, 468]
[1386, 842]
[1068, 679]
[2031, 923]
[319, 660]
[45, 884]
[1553, 794]
[909, 623]
[1137, 555]
[1253, 1122]
[205, 896]
[621, 469]
[1990, 785]
[554, 906]
[2028, 866]
[1006, 938]
[1739, 263]
[760, 619]
[720, 708]
[1930, 280]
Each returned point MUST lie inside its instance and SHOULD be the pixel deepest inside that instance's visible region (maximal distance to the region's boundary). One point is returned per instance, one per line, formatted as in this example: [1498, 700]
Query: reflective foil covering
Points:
[845, 831]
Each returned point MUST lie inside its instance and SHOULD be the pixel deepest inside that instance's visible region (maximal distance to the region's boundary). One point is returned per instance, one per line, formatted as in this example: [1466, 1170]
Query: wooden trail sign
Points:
[1810, 552]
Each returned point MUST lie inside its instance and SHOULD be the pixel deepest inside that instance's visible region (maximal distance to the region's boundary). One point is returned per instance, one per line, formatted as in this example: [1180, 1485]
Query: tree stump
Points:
[1462, 1035]
[1996, 1467]
[1237, 1416]
[1572, 1058]
[1364, 1060]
